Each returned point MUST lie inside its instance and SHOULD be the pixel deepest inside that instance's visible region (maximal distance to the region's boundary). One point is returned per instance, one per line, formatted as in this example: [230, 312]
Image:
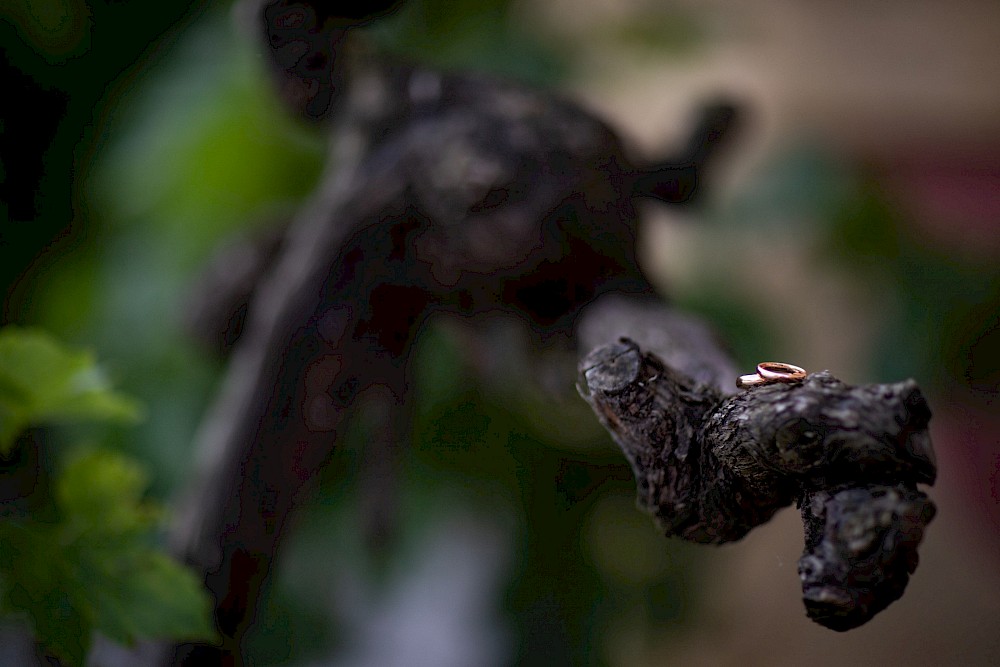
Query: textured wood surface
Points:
[711, 467]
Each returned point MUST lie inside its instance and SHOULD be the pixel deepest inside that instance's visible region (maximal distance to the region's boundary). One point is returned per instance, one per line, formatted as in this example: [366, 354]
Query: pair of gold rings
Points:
[769, 372]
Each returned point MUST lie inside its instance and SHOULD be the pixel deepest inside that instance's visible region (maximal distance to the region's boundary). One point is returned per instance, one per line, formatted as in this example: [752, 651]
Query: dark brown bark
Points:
[711, 467]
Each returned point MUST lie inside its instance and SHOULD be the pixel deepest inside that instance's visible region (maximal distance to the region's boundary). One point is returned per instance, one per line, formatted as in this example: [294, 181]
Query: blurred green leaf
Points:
[95, 569]
[667, 31]
[145, 594]
[41, 380]
[35, 582]
[101, 495]
[472, 35]
[203, 148]
[133, 590]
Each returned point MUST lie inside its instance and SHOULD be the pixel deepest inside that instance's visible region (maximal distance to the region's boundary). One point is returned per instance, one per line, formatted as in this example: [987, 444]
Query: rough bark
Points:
[711, 467]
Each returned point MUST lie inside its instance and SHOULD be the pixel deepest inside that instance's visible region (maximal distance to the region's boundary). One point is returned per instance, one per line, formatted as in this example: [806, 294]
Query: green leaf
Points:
[100, 494]
[12, 422]
[146, 594]
[37, 582]
[41, 380]
[134, 591]
[95, 568]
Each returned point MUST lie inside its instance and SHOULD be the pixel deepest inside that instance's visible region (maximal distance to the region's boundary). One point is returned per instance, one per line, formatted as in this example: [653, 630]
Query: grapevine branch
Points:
[711, 467]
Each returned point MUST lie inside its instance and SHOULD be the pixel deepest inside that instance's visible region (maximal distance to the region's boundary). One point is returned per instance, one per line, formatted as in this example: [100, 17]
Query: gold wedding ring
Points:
[769, 372]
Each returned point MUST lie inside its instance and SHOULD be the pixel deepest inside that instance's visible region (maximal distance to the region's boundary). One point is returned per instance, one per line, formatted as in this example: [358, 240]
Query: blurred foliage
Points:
[206, 150]
[474, 35]
[59, 62]
[937, 309]
[56, 29]
[82, 559]
[202, 152]
[945, 316]
[41, 381]
[671, 32]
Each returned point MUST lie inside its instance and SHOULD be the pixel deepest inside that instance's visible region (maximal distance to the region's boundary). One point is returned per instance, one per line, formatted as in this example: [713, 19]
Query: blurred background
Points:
[855, 226]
